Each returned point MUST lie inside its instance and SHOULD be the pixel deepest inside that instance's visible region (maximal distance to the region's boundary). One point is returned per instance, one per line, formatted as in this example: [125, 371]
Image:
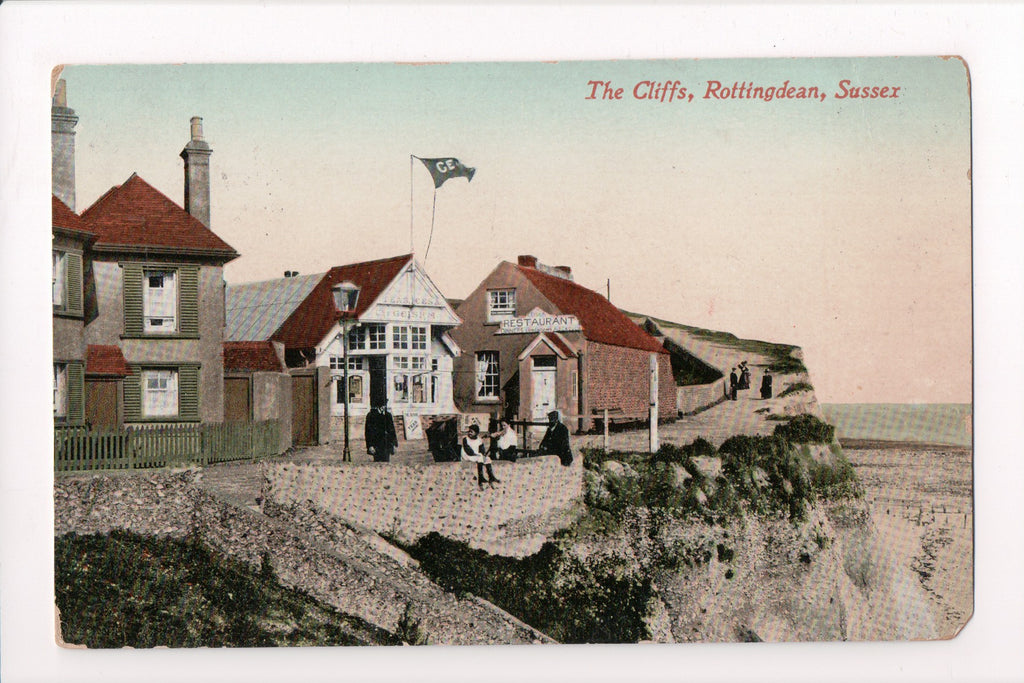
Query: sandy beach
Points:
[921, 499]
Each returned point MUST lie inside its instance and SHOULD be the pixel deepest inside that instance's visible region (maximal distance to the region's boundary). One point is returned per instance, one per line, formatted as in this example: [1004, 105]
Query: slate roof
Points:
[601, 321]
[258, 356]
[136, 215]
[299, 311]
[64, 217]
[105, 360]
[255, 310]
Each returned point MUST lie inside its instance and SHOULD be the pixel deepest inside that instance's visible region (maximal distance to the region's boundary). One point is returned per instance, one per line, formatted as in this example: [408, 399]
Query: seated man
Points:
[556, 440]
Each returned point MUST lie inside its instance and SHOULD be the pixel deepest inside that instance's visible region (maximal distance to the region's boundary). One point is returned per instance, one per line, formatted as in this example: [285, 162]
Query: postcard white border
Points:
[35, 36]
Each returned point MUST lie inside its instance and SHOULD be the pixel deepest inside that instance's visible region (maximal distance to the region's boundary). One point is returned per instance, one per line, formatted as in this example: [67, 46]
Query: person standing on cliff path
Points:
[556, 440]
[744, 376]
[766, 385]
[381, 437]
[733, 384]
[473, 451]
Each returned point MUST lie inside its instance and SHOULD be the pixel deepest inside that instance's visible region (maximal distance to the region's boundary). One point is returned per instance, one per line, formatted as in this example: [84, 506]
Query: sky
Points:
[842, 226]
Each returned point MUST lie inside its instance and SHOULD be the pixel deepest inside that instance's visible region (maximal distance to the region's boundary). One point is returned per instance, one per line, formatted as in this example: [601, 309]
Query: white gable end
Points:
[411, 297]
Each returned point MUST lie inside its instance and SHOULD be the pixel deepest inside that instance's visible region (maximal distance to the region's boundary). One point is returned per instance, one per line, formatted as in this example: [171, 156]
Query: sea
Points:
[932, 423]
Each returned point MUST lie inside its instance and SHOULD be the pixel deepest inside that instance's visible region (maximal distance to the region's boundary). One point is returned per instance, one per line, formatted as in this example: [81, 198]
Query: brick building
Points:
[534, 341]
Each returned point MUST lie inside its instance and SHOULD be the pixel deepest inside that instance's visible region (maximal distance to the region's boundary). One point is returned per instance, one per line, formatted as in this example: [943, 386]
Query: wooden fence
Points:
[146, 447]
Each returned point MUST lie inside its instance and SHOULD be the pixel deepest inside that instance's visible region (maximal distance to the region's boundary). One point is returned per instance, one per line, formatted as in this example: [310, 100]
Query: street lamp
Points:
[345, 296]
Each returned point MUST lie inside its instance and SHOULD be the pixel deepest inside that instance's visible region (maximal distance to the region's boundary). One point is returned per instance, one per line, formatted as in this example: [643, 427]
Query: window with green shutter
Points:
[132, 273]
[162, 394]
[161, 300]
[76, 393]
[188, 300]
[188, 392]
[67, 283]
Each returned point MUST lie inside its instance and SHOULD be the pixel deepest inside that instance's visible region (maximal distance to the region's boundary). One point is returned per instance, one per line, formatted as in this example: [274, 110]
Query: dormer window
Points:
[501, 303]
[160, 301]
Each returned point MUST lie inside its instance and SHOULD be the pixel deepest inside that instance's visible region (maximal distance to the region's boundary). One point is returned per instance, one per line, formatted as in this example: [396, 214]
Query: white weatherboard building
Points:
[399, 349]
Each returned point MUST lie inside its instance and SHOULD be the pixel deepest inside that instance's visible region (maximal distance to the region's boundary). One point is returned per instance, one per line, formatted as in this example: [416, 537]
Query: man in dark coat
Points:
[733, 384]
[556, 440]
[766, 385]
[381, 438]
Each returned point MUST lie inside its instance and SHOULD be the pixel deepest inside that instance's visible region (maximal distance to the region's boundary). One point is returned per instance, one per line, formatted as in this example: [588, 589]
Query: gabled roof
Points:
[105, 360]
[299, 311]
[64, 218]
[137, 217]
[257, 356]
[255, 310]
[315, 316]
[601, 321]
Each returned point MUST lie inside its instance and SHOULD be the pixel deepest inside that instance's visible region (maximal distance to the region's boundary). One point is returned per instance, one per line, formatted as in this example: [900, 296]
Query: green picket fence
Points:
[78, 449]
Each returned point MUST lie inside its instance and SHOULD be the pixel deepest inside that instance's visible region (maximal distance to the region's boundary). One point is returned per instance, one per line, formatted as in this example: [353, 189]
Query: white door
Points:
[543, 393]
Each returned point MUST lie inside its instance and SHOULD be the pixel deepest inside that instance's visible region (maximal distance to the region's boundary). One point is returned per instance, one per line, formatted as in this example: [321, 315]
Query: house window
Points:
[355, 363]
[60, 269]
[405, 337]
[400, 337]
[487, 375]
[418, 338]
[160, 301]
[376, 337]
[433, 380]
[355, 389]
[60, 390]
[501, 303]
[160, 393]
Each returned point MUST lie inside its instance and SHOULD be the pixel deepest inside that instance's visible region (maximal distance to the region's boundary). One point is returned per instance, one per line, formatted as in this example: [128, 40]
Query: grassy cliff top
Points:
[783, 358]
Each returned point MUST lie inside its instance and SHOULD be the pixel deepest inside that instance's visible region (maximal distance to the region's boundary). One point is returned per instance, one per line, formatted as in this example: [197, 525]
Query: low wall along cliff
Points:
[535, 497]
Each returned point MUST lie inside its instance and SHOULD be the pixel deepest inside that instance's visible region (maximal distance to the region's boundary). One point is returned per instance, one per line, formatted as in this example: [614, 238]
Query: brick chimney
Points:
[528, 261]
[197, 173]
[62, 141]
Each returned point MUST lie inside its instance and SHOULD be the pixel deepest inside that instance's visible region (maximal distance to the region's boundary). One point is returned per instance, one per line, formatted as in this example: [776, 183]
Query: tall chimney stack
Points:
[197, 173]
[62, 141]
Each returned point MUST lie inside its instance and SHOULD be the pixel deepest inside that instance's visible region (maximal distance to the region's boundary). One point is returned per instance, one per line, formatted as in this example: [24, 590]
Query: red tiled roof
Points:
[559, 341]
[64, 217]
[105, 360]
[259, 356]
[136, 214]
[314, 317]
[601, 321]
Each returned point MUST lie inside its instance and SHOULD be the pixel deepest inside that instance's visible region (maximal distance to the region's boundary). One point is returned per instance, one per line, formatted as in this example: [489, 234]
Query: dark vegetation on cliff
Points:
[576, 599]
[125, 589]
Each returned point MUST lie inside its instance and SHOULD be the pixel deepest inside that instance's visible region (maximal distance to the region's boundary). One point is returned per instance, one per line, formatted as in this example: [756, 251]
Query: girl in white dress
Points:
[473, 450]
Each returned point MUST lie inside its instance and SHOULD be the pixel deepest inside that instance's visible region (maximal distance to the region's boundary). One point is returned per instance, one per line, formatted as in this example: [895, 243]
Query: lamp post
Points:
[345, 296]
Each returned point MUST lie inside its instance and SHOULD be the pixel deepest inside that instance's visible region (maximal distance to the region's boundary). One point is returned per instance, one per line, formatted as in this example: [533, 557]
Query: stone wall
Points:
[694, 398]
[309, 551]
[535, 497]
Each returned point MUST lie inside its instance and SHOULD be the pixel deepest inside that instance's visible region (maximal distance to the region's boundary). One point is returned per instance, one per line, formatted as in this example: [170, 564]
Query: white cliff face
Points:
[829, 578]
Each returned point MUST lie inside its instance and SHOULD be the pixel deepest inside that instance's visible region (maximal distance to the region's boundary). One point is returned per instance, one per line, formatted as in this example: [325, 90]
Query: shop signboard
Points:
[539, 321]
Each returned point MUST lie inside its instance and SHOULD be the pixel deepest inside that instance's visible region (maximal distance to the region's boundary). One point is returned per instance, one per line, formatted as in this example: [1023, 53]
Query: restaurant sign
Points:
[539, 321]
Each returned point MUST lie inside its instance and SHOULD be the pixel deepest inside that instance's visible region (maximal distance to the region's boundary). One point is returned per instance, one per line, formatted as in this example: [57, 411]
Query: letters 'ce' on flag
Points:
[443, 169]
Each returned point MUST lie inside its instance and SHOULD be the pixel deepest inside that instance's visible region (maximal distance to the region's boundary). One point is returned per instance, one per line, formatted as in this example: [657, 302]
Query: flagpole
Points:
[411, 157]
[433, 210]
